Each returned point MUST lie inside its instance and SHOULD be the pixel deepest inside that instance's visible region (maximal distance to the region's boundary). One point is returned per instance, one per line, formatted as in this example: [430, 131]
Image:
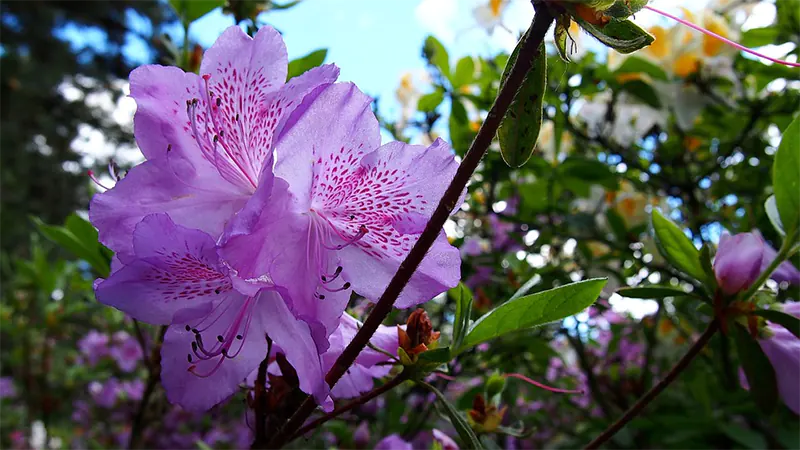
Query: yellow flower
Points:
[660, 48]
[686, 64]
[714, 24]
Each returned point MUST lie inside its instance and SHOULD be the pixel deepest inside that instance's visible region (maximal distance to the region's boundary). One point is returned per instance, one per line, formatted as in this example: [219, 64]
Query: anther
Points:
[188, 328]
[220, 338]
[219, 101]
[239, 337]
[169, 147]
[194, 346]
[189, 357]
[194, 330]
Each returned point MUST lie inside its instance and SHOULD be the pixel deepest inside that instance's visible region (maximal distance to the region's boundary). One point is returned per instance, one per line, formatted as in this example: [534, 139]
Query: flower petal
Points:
[173, 268]
[335, 130]
[152, 187]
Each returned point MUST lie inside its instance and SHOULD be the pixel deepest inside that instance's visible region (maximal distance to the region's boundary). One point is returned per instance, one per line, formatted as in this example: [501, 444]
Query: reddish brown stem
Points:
[386, 387]
[658, 388]
[541, 23]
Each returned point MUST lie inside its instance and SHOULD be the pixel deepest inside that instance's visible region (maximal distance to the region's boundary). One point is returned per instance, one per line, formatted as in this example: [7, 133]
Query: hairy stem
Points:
[541, 23]
[640, 405]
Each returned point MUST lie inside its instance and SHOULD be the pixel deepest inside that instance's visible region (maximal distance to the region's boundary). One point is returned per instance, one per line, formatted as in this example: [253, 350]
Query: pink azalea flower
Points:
[356, 210]
[216, 335]
[208, 138]
[741, 258]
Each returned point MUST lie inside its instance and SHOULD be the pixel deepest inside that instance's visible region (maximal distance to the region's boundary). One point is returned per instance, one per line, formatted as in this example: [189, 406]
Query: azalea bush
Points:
[588, 241]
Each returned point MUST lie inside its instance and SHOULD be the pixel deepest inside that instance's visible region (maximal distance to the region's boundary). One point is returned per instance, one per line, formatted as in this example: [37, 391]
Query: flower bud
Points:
[361, 435]
[483, 417]
[418, 335]
[738, 261]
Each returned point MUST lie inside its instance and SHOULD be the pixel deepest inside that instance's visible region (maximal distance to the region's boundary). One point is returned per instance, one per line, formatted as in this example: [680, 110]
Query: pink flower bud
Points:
[738, 261]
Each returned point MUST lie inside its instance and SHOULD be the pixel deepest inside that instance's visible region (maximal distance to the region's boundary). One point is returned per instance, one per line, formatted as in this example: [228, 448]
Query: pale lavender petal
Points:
[393, 442]
[737, 263]
[152, 187]
[174, 268]
[334, 131]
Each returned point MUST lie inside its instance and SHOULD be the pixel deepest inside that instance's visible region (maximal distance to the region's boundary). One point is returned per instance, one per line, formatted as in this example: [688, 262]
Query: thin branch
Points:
[386, 387]
[658, 388]
[154, 375]
[528, 50]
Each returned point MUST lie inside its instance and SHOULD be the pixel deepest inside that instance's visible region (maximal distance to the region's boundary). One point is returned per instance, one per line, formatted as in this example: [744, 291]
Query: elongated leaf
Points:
[437, 55]
[623, 36]
[771, 207]
[561, 36]
[459, 422]
[757, 368]
[652, 292]
[526, 287]
[534, 310]
[303, 64]
[437, 356]
[787, 321]
[676, 247]
[463, 298]
[634, 64]
[191, 10]
[465, 70]
[520, 127]
[78, 240]
[430, 102]
[786, 177]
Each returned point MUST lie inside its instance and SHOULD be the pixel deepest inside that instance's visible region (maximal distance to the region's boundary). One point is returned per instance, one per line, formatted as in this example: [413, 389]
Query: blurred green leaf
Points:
[463, 300]
[746, 437]
[786, 177]
[79, 238]
[534, 310]
[643, 91]
[652, 292]
[303, 64]
[759, 37]
[634, 64]
[429, 102]
[771, 208]
[191, 10]
[436, 54]
[676, 247]
[459, 421]
[587, 170]
[758, 369]
[465, 70]
[519, 129]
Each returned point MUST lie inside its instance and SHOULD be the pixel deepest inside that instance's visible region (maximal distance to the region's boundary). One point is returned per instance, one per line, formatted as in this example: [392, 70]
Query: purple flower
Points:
[217, 334]
[393, 442]
[7, 389]
[472, 246]
[126, 351]
[361, 435]
[783, 350]
[133, 390]
[356, 209]
[741, 258]
[94, 346]
[105, 394]
[445, 441]
[208, 139]
[358, 378]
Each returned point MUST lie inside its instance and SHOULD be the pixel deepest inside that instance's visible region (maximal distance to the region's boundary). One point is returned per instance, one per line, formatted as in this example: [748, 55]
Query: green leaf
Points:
[561, 36]
[436, 356]
[436, 54]
[303, 64]
[534, 310]
[587, 170]
[787, 321]
[463, 299]
[282, 6]
[78, 240]
[634, 64]
[759, 37]
[459, 422]
[623, 36]
[526, 287]
[643, 91]
[676, 247]
[617, 224]
[519, 129]
[465, 71]
[786, 177]
[429, 102]
[748, 438]
[771, 207]
[758, 369]
[652, 292]
[191, 10]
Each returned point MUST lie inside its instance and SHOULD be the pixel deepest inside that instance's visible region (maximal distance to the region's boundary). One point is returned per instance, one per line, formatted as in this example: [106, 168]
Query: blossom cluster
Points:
[262, 207]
